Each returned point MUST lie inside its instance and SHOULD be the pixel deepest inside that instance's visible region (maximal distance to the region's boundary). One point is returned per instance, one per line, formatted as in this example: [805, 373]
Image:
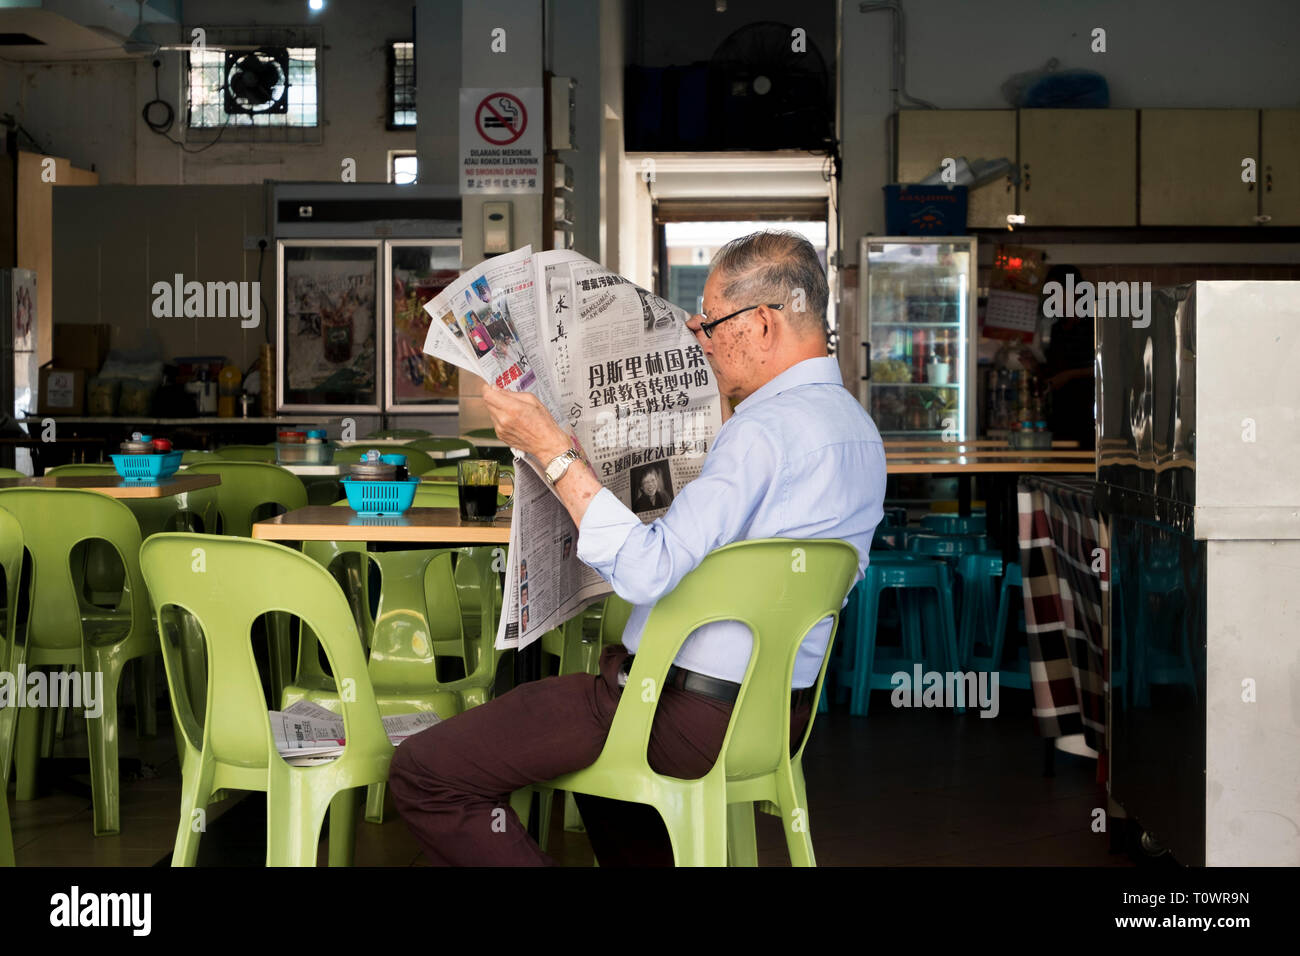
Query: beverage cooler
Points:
[916, 323]
[1197, 457]
[355, 265]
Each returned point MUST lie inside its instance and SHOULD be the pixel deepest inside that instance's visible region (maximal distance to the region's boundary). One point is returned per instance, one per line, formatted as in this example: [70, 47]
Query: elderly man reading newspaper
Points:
[799, 458]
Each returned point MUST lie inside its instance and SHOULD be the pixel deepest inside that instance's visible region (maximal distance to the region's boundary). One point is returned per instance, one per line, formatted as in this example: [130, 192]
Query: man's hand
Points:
[522, 422]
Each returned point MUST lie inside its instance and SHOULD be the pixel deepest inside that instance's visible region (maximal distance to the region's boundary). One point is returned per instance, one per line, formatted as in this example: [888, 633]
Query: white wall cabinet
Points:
[1192, 165]
[1279, 134]
[1078, 167]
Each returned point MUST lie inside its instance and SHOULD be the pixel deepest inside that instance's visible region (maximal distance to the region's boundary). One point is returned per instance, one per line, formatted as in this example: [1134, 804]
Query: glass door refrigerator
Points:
[917, 326]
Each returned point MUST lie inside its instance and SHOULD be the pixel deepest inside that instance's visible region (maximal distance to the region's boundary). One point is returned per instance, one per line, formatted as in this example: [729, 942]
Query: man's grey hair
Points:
[769, 267]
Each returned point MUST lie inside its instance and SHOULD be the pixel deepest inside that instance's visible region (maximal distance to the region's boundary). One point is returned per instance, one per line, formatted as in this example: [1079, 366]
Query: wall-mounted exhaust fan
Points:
[257, 81]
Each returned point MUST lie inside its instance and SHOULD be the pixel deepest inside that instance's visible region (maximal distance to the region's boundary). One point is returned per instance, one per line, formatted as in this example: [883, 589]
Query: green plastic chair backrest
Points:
[11, 561]
[436, 496]
[482, 433]
[226, 583]
[475, 566]
[417, 462]
[418, 618]
[248, 485]
[54, 521]
[12, 473]
[613, 619]
[400, 433]
[262, 453]
[779, 588]
[194, 456]
[444, 445]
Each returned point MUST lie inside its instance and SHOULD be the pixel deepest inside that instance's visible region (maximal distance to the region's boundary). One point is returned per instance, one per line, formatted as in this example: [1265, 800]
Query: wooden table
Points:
[952, 451]
[1001, 504]
[982, 463]
[969, 443]
[438, 526]
[116, 487]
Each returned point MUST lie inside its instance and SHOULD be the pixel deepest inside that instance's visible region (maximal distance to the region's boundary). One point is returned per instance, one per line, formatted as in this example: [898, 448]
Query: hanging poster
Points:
[329, 324]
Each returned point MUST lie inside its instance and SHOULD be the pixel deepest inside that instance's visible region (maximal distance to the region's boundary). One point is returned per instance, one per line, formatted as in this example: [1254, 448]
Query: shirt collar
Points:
[822, 370]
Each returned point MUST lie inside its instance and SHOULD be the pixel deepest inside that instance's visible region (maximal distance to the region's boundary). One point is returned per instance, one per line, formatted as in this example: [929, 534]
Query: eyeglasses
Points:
[707, 326]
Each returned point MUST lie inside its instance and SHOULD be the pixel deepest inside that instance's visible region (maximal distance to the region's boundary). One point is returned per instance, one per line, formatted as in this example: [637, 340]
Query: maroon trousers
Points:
[452, 783]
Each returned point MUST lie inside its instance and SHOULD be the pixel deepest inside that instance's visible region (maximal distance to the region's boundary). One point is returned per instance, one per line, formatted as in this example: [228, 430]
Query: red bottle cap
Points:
[162, 444]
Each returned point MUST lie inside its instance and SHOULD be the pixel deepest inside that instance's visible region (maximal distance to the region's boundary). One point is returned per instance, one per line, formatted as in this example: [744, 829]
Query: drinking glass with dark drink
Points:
[476, 480]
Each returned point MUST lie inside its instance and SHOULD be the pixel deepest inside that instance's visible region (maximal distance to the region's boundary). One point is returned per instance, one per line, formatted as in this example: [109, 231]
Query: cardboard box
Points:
[81, 346]
[62, 391]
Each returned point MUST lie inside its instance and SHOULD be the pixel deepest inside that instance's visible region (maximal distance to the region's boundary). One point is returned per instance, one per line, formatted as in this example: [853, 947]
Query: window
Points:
[207, 100]
[401, 85]
[401, 166]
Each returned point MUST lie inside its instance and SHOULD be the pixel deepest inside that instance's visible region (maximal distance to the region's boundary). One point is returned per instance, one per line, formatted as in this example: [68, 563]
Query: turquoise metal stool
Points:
[978, 573]
[890, 537]
[1018, 677]
[928, 615]
[878, 556]
[950, 547]
[954, 524]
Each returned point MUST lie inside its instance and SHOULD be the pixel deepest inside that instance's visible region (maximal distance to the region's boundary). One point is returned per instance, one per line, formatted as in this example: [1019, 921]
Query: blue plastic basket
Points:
[147, 467]
[374, 498]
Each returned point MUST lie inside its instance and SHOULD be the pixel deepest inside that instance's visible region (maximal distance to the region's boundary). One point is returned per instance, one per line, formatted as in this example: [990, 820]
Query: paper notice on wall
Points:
[501, 140]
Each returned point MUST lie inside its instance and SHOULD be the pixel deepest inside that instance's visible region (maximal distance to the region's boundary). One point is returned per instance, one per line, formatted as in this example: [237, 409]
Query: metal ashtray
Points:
[374, 471]
[131, 447]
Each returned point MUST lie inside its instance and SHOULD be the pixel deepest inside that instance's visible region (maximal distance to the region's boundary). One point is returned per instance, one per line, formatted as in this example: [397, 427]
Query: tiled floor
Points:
[901, 788]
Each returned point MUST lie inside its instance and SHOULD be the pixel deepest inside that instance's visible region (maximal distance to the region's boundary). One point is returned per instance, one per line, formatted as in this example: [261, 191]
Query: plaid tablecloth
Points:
[1065, 563]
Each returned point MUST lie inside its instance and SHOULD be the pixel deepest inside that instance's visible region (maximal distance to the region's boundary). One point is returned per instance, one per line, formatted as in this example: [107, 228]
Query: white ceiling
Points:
[80, 29]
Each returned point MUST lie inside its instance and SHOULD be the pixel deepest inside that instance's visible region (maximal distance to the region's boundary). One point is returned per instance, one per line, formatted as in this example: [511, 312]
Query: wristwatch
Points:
[560, 464]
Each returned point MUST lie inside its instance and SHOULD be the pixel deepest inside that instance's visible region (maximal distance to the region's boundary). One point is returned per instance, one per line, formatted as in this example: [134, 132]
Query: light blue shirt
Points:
[800, 458]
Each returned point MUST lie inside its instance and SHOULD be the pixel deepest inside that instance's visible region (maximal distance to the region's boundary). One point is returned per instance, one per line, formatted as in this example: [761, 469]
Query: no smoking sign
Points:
[501, 118]
[501, 141]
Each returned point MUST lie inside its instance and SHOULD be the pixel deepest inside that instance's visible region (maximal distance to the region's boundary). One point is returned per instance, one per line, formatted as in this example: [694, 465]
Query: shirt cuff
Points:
[605, 526]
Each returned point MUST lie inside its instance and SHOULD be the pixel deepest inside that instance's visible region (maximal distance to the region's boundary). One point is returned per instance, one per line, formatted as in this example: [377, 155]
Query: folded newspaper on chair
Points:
[613, 362]
[307, 733]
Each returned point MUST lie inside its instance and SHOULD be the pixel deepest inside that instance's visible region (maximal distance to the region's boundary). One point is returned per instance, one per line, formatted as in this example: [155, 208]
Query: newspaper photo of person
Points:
[479, 336]
[655, 312]
[652, 488]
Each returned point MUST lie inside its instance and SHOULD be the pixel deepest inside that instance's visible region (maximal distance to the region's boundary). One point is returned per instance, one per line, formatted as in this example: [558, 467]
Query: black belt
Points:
[723, 690]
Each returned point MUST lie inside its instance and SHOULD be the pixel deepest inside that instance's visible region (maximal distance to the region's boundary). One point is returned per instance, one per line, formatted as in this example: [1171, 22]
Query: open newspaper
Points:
[613, 363]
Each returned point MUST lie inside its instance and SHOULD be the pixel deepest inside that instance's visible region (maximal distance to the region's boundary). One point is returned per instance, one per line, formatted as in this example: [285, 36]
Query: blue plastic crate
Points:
[147, 467]
[374, 498]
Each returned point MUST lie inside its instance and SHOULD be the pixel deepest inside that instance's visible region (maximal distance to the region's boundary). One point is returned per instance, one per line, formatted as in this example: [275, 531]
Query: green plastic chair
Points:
[194, 456]
[102, 573]
[12, 653]
[11, 473]
[231, 748]
[246, 488]
[262, 453]
[418, 621]
[780, 598]
[482, 433]
[401, 433]
[64, 631]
